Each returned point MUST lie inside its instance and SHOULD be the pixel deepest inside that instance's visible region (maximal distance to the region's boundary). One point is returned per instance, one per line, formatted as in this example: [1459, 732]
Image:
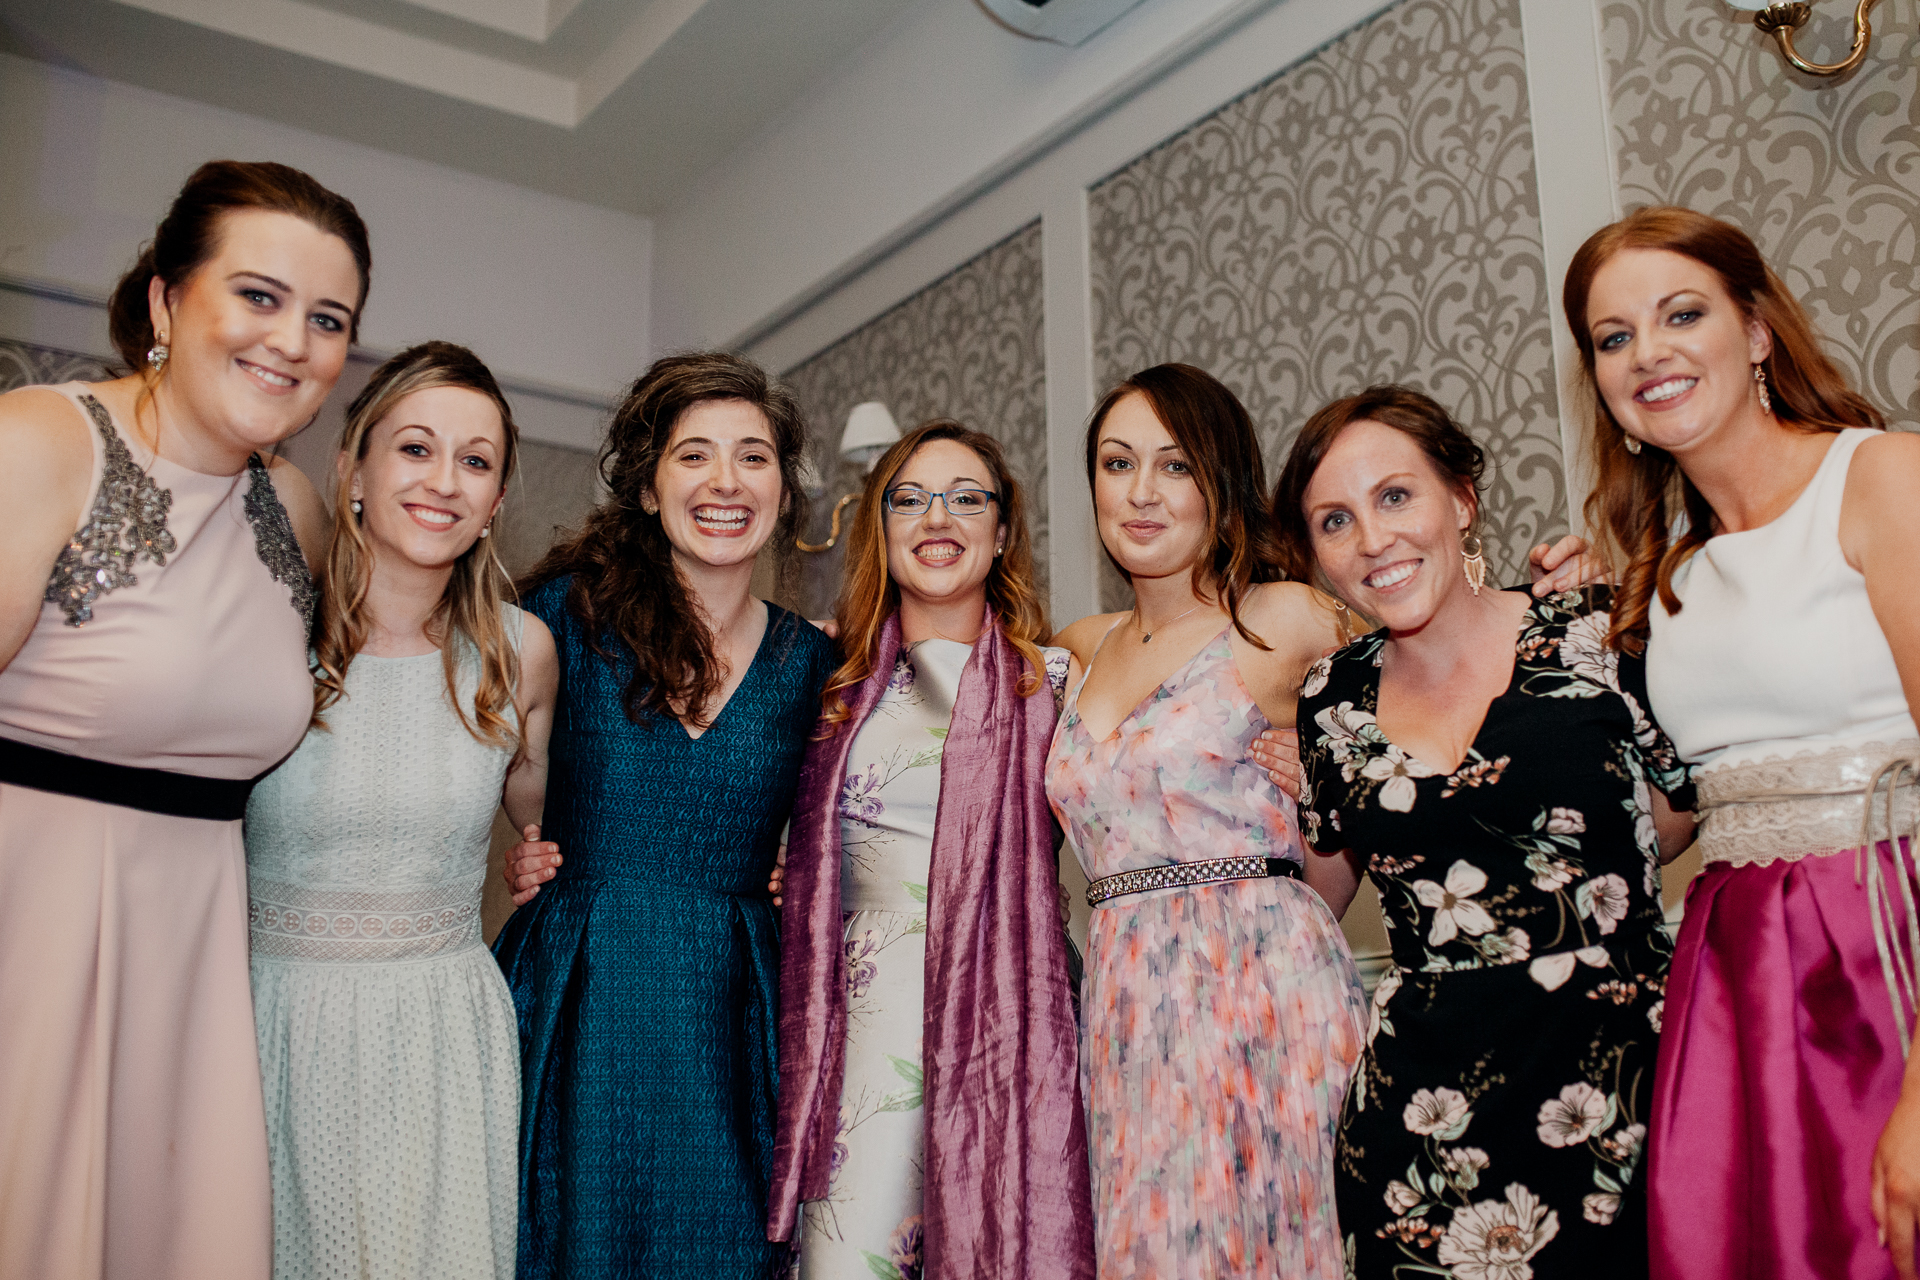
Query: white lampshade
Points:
[870, 429]
[1750, 6]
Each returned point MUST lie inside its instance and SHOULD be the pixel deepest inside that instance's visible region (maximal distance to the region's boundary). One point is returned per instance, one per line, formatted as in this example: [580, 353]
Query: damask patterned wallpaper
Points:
[1367, 216]
[1825, 176]
[969, 346]
[23, 364]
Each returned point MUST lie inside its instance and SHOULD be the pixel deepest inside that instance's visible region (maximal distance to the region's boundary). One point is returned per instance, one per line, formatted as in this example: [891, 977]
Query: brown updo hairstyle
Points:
[1638, 498]
[1453, 453]
[1215, 432]
[190, 235]
[871, 596]
[470, 606]
[627, 592]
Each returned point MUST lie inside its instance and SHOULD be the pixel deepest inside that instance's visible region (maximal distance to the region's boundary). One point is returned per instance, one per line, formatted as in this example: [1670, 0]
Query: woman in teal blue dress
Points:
[645, 972]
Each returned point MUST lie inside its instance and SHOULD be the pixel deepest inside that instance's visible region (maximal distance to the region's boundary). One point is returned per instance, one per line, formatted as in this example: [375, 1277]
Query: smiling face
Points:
[718, 486]
[938, 557]
[1151, 512]
[1673, 354]
[431, 477]
[259, 333]
[1386, 525]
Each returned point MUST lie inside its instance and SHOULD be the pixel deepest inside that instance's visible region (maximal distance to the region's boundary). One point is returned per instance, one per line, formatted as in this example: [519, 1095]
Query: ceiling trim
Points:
[310, 31]
[359, 45]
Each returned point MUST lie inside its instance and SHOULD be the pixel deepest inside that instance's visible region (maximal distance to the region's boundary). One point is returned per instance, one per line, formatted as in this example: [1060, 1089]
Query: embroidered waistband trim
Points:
[1180, 875]
[299, 922]
[1794, 807]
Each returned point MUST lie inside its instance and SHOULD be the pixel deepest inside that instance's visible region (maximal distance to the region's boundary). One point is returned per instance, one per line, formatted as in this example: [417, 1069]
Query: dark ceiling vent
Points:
[1061, 21]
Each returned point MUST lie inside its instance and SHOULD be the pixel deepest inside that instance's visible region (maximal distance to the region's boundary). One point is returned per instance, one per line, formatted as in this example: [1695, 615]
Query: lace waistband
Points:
[1803, 806]
[1789, 808]
[298, 922]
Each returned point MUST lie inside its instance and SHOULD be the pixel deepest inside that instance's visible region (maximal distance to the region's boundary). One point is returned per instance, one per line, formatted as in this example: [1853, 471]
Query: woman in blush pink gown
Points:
[1222, 1013]
[154, 604]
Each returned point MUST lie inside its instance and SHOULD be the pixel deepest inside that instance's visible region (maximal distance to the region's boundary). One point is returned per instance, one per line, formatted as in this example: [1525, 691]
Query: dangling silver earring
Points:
[487, 529]
[1760, 385]
[157, 356]
[1475, 562]
[354, 506]
[1632, 442]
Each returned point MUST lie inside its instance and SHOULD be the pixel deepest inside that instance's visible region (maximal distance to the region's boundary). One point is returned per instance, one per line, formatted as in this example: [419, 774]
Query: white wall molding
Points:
[1578, 180]
[1074, 547]
[1268, 38]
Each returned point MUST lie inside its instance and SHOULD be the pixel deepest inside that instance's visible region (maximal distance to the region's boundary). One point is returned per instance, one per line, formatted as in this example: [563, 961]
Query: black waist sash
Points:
[178, 795]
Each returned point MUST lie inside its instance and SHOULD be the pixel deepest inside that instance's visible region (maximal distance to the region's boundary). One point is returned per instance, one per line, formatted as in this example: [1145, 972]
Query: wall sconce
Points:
[1781, 18]
[870, 429]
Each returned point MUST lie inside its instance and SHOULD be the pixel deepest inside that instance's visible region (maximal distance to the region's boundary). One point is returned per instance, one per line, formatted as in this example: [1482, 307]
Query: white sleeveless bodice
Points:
[1776, 651]
[371, 841]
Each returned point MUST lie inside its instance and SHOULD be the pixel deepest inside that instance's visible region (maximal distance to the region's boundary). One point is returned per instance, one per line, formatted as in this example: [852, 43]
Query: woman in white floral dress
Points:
[929, 1118]
[1489, 761]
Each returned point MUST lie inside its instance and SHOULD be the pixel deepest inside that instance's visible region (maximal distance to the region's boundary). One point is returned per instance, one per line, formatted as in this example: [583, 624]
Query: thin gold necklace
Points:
[1146, 635]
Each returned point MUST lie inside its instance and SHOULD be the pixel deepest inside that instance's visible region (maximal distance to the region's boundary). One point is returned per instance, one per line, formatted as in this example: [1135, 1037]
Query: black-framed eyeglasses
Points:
[958, 502]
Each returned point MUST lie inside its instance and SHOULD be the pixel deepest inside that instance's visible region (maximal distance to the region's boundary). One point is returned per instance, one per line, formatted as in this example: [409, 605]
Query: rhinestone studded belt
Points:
[1179, 875]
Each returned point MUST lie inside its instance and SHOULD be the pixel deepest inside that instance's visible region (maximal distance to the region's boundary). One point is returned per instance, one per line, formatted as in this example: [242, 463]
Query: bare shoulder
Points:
[49, 453]
[1293, 617]
[539, 659]
[1887, 463]
[1083, 637]
[305, 510]
[39, 425]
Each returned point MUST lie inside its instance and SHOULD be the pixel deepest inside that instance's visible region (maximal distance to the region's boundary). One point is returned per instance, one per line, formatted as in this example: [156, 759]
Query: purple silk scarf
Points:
[1007, 1184]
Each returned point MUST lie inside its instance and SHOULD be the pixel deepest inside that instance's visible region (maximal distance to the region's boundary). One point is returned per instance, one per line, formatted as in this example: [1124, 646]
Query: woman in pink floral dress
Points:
[1222, 1011]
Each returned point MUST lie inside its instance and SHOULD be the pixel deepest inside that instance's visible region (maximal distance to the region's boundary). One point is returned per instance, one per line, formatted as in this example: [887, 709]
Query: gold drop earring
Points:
[1474, 562]
[1760, 387]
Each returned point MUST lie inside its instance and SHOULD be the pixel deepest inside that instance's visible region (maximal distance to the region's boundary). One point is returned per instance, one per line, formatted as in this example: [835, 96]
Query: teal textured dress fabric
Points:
[645, 974]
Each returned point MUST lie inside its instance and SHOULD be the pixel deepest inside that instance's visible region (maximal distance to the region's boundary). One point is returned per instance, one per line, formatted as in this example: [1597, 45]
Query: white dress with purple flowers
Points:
[869, 1224]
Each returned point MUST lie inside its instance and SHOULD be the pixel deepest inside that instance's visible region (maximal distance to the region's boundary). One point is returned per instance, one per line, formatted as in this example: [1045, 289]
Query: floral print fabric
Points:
[1496, 1123]
[1221, 1021]
[870, 1223]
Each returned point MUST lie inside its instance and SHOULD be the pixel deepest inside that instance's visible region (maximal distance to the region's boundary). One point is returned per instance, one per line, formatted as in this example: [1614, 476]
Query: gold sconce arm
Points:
[833, 534]
[1781, 20]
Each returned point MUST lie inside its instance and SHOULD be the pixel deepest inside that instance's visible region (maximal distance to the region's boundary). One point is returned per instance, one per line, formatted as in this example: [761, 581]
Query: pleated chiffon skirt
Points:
[1779, 1065]
[1221, 1026]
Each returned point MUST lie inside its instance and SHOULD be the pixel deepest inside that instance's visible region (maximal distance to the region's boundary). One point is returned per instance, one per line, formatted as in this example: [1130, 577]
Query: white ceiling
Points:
[622, 103]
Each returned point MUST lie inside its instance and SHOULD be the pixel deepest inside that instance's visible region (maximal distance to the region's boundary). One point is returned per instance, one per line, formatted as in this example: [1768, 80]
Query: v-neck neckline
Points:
[1150, 694]
[1486, 717]
[753, 665]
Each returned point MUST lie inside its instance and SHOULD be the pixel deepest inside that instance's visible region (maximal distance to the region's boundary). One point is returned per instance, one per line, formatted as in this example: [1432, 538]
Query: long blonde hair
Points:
[470, 608]
[870, 596]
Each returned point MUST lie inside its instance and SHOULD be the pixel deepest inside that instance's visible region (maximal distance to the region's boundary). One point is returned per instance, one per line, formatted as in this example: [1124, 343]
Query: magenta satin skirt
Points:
[1779, 1065]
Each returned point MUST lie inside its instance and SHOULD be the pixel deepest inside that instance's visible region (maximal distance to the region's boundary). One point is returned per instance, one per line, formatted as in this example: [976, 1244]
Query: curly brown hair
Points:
[627, 593]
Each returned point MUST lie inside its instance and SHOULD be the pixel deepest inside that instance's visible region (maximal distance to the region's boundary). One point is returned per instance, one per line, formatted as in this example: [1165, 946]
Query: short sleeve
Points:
[1320, 781]
[1057, 661]
[1661, 759]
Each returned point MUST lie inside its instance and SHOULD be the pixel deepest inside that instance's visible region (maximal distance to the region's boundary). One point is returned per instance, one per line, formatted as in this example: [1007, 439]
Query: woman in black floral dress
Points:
[1495, 1125]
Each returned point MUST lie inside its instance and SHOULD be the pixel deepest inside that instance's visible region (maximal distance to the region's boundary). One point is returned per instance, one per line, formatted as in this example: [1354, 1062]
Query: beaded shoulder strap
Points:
[127, 524]
[273, 537]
